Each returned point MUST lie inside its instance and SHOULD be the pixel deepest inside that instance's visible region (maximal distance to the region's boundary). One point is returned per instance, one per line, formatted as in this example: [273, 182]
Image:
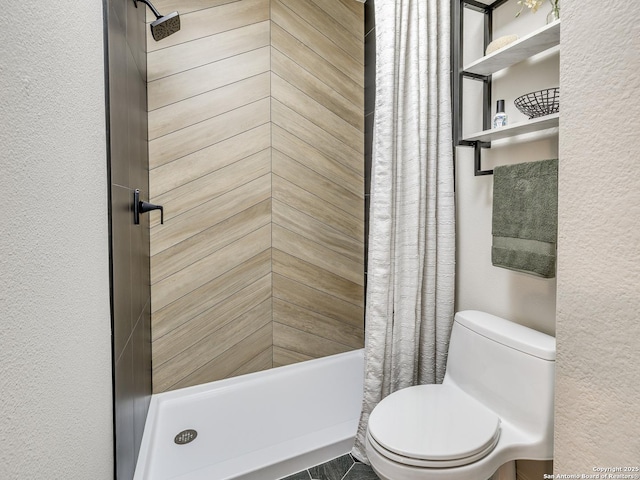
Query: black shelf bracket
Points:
[477, 161]
[458, 74]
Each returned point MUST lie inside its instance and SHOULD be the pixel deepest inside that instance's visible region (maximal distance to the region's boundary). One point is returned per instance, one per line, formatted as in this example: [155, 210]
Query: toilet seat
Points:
[433, 426]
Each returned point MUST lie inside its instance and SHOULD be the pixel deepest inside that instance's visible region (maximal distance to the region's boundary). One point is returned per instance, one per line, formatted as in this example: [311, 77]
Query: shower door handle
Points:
[140, 206]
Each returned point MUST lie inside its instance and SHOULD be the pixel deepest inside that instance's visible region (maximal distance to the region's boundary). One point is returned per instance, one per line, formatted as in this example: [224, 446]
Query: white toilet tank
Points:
[507, 367]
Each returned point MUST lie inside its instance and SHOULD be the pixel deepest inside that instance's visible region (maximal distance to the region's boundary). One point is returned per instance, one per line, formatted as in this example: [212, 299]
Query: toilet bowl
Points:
[495, 405]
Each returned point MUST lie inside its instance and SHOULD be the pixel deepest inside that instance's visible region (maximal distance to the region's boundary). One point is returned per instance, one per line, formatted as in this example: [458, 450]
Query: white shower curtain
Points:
[411, 266]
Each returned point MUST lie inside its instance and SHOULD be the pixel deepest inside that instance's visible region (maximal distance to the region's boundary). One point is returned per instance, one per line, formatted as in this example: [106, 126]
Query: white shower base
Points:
[261, 426]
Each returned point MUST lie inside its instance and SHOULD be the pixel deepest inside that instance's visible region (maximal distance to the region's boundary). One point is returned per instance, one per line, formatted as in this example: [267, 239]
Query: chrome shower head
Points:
[164, 25]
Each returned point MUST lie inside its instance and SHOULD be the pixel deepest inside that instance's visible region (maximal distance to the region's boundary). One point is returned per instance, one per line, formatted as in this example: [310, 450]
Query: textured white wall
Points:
[598, 317]
[522, 298]
[55, 381]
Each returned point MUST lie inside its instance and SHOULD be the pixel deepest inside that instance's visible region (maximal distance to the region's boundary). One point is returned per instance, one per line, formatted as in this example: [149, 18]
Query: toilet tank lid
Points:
[508, 333]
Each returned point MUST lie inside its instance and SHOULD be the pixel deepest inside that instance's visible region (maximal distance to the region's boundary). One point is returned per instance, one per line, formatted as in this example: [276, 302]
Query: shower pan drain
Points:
[185, 436]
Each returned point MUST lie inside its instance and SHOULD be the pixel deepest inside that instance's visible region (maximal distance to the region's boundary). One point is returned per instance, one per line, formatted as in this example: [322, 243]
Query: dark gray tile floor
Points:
[341, 468]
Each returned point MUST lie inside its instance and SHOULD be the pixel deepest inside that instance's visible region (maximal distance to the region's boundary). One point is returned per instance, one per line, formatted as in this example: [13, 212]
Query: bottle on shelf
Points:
[500, 119]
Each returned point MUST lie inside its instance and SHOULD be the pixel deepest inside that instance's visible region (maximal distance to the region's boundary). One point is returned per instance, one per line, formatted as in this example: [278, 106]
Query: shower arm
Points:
[150, 5]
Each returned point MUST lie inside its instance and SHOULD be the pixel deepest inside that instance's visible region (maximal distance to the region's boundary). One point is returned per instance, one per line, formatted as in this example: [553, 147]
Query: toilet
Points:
[495, 405]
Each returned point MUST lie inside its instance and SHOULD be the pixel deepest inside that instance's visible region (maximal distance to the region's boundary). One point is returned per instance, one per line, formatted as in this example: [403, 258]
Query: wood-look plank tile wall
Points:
[317, 114]
[256, 152]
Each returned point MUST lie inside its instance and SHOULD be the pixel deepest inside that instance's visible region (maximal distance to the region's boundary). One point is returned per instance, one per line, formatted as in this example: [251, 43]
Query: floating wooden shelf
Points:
[520, 128]
[527, 46]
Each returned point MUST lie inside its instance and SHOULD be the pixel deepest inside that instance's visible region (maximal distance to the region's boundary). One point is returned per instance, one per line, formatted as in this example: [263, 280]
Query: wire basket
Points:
[540, 103]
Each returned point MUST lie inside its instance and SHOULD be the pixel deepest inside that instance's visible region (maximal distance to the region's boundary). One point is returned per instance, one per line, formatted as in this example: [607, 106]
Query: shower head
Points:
[164, 25]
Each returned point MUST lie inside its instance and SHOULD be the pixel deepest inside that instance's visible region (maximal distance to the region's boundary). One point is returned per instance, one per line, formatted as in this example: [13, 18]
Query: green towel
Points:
[525, 217]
